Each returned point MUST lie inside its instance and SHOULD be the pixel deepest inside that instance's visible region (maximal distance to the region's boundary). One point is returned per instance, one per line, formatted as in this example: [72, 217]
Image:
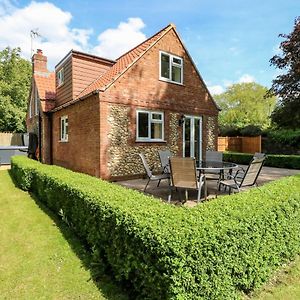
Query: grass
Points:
[284, 285]
[40, 257]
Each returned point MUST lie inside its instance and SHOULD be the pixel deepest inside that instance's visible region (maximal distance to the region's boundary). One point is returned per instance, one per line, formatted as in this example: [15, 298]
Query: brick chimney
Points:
[39, 62]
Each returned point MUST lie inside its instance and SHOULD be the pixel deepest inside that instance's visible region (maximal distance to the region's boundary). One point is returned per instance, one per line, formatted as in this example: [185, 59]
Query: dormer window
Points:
[171, 68]
[60, 77]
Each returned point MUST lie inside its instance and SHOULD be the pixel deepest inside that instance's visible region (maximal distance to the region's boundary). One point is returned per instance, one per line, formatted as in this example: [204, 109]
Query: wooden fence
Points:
[244, 144]
[10, 139]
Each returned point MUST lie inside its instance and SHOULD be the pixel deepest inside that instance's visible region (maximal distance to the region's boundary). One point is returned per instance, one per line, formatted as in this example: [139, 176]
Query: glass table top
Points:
[215, 165]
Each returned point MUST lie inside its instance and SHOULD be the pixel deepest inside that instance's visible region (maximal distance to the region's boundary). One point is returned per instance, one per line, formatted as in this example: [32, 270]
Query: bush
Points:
[214, 251]
[273, 160]
[285, 137]
[251, 130]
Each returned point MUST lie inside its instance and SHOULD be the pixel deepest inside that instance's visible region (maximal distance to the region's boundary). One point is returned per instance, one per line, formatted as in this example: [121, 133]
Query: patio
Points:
[267, 174]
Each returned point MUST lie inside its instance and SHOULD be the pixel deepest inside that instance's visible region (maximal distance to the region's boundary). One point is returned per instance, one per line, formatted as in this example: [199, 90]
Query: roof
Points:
[45, 83]
[84, 54]
[124, 62]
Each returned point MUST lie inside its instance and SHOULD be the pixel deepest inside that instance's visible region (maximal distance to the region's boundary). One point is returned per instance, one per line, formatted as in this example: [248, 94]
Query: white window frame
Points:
[171, 63]
[150, 121]
[64, 123]
[60, 77]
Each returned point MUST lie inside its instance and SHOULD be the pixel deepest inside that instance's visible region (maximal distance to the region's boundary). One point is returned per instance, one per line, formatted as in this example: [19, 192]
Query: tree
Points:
[15, 76]
[244, 104]
[287, 85]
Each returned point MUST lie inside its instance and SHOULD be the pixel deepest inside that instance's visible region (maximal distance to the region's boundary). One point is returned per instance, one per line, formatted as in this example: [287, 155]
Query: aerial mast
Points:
[33, 35]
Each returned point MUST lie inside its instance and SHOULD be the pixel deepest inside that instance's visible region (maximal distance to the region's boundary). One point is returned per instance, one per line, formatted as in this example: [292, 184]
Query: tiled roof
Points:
[45, 82]
[123, 63]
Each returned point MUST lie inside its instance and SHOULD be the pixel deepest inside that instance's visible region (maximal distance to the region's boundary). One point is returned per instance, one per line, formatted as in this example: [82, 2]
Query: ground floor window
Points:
[64, 128]
[149, 126]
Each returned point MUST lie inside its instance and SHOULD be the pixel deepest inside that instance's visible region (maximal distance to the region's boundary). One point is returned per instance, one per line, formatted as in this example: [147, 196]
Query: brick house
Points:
[94, 115]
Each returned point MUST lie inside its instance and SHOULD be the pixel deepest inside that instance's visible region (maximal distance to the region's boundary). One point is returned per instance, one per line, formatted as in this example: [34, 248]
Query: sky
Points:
[231, 41]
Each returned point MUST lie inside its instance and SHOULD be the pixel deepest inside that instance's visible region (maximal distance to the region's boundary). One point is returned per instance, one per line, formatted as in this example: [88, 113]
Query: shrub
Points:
[214, 251]
[287, 137]
[251, 130]
[273, 160]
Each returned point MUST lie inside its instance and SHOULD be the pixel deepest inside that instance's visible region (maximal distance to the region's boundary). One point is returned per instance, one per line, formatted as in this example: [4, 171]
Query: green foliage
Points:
[285, 136]
[244, 104]
[249, 130]
[214, 251]
[273, 160]
[286, 85]
[15, 75]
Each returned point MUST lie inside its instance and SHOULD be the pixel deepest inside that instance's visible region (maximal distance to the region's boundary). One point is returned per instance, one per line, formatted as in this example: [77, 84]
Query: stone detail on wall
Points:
[211, 127]
[123, 158]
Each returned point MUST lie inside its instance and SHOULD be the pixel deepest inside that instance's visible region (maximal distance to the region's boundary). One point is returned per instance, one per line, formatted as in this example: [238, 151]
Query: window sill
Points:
[63, 141]
[170, 81]
[150, 141]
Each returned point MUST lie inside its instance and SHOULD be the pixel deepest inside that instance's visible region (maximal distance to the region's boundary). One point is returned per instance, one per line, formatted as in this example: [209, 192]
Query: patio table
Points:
[221, 166]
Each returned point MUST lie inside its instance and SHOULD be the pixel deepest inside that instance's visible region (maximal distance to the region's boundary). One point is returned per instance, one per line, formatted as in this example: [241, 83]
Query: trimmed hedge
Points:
[273, 160]
[214, 251]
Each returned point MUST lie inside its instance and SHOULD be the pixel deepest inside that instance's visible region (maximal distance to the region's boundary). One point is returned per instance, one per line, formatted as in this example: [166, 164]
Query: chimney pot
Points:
[39, 51]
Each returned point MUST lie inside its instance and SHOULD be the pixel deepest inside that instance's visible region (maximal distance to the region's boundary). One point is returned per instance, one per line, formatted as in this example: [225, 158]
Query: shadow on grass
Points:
[105, 283]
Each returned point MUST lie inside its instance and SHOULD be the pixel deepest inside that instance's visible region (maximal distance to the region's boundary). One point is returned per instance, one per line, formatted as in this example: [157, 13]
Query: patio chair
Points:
[247, 179]
[164, 156]
[215, 156]
[150, 175]
[184, 176]
[241, 171]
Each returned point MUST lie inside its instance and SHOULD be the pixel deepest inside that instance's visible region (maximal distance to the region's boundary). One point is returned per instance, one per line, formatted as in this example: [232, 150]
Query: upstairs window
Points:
[60, 77]
[171, 68]
[64, 129]
[150, 126]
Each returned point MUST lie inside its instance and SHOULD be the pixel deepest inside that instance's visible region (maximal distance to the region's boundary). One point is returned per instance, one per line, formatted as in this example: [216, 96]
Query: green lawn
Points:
[285, 285]
[40, 258]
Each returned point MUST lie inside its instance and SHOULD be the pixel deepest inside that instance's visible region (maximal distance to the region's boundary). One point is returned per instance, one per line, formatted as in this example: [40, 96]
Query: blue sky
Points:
[230, 41]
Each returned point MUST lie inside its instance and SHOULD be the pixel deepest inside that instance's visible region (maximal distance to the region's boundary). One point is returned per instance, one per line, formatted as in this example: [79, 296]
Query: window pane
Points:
[176, 74]
[165, 66]
[187, 137]
[177, 60]
[156, 131]
[66, 127]
[62, 129]
[197, 140]
[156, 116]
[143, 125]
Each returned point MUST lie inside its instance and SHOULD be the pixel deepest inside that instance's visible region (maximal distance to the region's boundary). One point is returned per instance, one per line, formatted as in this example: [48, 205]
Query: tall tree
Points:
[244, 104]
[287, 85]
[15, 75]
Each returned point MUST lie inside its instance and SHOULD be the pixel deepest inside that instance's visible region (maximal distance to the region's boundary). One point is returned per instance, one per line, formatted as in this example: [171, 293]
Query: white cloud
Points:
[234, 50]
[52, 23]
[276, 50]
[216, 89]
[114, 42]
[57, 35]
[246, 78]
[219, 89]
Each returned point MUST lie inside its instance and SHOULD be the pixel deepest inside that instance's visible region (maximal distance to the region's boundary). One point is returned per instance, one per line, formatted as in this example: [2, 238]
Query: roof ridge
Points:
[145, 41]
[169, 27]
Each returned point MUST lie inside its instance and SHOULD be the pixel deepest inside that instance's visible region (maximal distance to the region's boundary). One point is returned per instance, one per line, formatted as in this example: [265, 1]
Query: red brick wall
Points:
[140, 87]
[81, 152]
